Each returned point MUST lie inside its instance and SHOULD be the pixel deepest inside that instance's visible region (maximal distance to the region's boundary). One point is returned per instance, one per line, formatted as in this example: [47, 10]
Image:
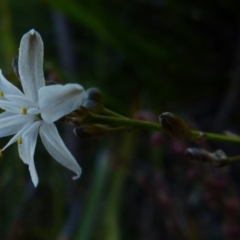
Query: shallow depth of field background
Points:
[147, 57]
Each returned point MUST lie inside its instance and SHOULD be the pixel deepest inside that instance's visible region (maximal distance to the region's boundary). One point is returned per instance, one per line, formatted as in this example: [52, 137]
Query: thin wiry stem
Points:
[112, 113]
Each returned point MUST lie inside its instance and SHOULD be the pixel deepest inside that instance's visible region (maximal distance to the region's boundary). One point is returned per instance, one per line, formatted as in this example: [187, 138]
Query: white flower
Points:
[35, 111]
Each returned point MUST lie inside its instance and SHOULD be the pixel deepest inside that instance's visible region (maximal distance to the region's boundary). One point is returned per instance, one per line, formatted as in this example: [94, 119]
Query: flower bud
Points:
[94, 94]
[93, 106]
[94, 100]
[219, 157]
[174, 125]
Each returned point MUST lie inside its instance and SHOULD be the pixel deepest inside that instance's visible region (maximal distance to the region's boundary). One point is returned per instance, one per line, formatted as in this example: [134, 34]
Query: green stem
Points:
[126, 122]
[233, 159]
[113, 114]
[132, 123]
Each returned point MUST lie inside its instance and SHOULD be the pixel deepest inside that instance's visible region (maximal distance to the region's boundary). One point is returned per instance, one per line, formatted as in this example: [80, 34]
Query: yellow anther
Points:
[1, 94]
[1, 153]
[20, 140]
[24, 110]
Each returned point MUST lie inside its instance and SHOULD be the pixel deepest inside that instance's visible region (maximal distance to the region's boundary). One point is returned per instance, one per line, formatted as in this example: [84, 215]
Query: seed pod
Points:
[174, 125]
[218, 157]
[222, 157]
[199, 155]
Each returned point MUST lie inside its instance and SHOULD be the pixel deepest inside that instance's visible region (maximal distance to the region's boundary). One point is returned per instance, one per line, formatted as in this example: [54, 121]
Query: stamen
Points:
[1, 94]
[20, 140]
[1, 153]
[24, 111]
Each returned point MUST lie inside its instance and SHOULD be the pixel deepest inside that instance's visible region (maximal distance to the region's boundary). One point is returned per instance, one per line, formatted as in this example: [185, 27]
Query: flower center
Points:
[24, 110]
[20, 140]
[1, 94]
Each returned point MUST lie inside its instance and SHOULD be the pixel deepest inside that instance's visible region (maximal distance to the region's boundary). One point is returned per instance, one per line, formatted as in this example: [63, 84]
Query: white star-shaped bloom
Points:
[35, 111]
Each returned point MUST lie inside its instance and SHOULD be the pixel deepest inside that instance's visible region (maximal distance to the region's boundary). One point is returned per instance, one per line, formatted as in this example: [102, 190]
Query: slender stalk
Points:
[126, 122]
[137, 124]
[233, 159]
[111, 113]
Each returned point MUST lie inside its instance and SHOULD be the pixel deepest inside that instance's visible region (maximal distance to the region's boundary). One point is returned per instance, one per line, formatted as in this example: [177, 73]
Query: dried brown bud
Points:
[199, 155]
[219, 157]
[174, 125]
[77, 117]
[89, 131]
[95, 130]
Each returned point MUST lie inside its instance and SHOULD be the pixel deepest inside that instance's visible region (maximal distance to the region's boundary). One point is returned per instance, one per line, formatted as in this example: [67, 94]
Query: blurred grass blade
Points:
[110, 29]
[98, 184]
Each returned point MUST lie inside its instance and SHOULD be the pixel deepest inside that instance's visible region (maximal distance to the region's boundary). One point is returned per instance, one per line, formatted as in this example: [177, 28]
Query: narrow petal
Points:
[56, 101]
[27, 148]
[13, 123]
[15, 104]
[31, 64]
[56, 147]
[22, 100]
[8, 88]
[19, 134]
[33, 128]
[6, 114]
[33, 111]
[10, 106]
[9, 130]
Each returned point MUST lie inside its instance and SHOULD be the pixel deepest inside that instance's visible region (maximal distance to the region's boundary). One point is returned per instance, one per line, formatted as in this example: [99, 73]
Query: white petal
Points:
[25, 142]
[27, 149]
[6, 114]
[31, 64]
[33, 111]
[56, 101]
[56, 147]
[33, 128]
[12, 123]
[10, 106]
[21, 100]
[17, 107]
[19, 134]
[8, 88]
